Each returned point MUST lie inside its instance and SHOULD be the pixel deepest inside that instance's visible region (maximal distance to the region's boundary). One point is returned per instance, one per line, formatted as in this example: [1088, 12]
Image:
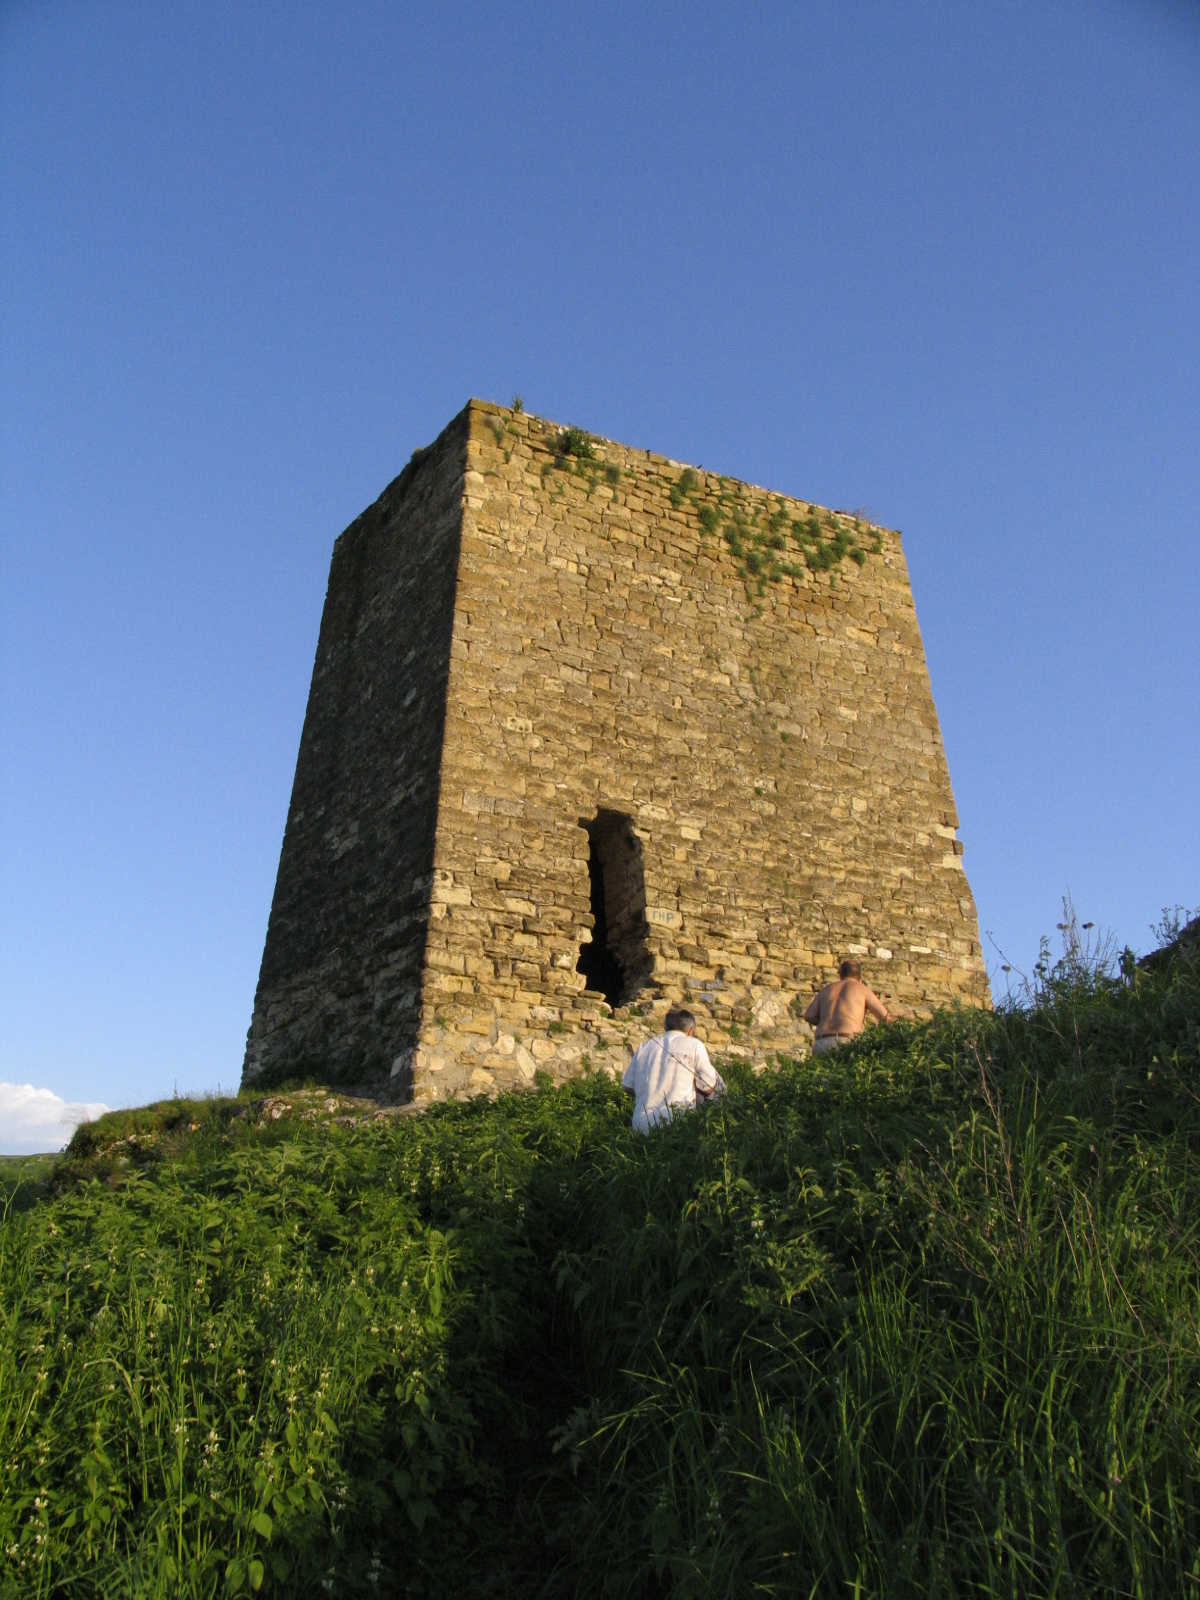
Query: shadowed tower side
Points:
[340, 988]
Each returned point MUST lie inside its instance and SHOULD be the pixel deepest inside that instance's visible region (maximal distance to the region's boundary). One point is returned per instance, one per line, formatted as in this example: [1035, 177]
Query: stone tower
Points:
[588, 731]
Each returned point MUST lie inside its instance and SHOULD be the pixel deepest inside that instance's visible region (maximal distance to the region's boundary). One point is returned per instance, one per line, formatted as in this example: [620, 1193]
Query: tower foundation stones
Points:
[589, 731]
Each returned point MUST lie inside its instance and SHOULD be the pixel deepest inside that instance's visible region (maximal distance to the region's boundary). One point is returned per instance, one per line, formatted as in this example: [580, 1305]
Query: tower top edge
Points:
[653, 460]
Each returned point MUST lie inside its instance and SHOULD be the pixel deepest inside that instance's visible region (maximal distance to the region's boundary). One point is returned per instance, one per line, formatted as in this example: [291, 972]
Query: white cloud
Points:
[33, 1120]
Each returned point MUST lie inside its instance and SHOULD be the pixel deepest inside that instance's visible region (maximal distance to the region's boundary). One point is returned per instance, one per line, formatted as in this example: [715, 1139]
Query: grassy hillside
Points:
[918, 1319]
[26, 1174]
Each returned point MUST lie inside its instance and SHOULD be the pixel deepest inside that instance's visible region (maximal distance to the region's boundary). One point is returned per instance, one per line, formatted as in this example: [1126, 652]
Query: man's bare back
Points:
[840, 1009]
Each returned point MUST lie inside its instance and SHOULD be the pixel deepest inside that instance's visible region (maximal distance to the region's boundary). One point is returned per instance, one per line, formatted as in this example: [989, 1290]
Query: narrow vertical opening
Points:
[615, 962]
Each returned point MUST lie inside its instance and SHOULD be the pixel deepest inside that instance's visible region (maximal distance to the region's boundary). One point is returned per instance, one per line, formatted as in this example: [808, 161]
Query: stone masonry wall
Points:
[524, 656]
[778, 754]
[339, 993]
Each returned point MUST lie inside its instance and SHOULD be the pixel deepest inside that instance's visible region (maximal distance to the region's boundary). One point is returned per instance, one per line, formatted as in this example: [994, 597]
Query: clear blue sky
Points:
[940, 261]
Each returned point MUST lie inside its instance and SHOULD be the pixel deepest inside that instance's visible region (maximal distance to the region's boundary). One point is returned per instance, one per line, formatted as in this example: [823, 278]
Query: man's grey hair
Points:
[679, 1020]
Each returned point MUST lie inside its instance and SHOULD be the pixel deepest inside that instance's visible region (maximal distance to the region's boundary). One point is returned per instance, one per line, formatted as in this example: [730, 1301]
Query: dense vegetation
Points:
[918, 1319]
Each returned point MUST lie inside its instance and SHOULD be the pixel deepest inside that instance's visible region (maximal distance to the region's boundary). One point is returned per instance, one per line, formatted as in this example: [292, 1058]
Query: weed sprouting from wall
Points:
[575, 442]
[575, 453]
[765, 539]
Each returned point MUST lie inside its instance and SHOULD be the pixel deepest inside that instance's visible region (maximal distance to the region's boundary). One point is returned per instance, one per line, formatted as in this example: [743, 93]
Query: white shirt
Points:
[664, 1075]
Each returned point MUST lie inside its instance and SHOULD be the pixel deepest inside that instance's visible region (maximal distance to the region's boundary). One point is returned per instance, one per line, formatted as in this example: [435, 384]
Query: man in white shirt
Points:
[667, 1073]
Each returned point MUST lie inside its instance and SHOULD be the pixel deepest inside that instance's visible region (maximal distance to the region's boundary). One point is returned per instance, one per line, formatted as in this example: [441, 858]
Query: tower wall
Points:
[339, 992]
[596, 666]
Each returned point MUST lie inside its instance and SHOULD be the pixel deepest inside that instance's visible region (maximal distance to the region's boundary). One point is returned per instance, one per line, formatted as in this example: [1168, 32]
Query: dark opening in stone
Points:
[616, 963]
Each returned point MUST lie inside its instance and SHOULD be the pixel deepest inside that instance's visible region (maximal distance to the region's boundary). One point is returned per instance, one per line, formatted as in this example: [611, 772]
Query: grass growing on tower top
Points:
[919, 1318]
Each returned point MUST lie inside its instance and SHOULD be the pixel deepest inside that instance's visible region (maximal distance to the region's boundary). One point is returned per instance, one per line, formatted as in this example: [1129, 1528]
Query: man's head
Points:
[850, 969]
[679, 1020]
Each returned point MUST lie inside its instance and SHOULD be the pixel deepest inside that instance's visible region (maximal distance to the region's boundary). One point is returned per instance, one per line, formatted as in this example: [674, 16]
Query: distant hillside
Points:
[918, 1319]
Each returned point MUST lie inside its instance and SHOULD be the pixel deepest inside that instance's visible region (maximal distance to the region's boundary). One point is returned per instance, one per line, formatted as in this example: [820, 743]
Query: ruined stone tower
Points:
[588, 731]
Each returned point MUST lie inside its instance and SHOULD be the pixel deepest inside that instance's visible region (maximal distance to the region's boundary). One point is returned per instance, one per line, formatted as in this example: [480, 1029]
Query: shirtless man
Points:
[840, 1009]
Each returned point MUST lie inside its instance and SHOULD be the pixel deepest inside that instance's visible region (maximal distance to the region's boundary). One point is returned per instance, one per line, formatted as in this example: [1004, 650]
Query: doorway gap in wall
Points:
[616, 963]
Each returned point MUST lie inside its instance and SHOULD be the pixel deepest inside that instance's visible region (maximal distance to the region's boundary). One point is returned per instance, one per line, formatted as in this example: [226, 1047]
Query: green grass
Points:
[24, 1179]
[921, 1318]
